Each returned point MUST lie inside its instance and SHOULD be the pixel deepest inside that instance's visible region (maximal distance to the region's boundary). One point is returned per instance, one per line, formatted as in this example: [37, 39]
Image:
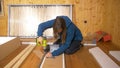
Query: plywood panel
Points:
[6, 60]
[3, 27]
[34, 59]
[112, 20]
[8, 46]
[58, 62]
[90, 11]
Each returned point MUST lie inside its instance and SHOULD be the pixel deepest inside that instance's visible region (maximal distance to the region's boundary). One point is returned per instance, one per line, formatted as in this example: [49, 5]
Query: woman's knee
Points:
[68, 51]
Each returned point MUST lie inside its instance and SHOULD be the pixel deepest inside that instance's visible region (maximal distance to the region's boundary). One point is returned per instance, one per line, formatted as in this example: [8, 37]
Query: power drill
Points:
[45, 46]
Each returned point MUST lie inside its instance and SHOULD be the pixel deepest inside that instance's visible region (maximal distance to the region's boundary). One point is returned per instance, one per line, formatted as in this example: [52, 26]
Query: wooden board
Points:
[103, 59]
[115, 54]
[81, 59]
[11, 56]
[17, 65]
[17, 61]
[9, 47]
[56, 62]
[34, 58]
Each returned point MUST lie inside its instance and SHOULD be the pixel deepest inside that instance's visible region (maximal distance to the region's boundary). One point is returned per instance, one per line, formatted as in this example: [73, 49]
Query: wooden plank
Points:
[24, 56]
[56, 62]
[81, 59]
[115, 54]
[109, 46]
[35, 56]
[9, 46]
[104, 60]
[11, 56]
[11, 63]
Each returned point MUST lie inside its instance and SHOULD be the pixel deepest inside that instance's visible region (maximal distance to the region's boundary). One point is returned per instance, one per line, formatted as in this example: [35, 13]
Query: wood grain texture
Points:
[83, 59]
[19, 62]
[83, 10]
[99, 14]
[16, 59]
[8, 47]
[56, 62]
[80, 59]
[10, 57]
[111, 20]
[34, 59]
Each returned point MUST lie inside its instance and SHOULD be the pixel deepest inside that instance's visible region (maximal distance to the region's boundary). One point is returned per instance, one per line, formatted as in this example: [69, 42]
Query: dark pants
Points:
[74, 46]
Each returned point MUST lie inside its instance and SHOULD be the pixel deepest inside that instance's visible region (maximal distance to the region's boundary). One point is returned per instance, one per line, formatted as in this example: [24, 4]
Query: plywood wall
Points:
[83, 10]
[88, 15]
[91, 12]
[111, 20]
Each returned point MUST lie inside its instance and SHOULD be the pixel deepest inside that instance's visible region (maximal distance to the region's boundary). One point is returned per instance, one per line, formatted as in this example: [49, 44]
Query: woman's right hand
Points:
[40, 39]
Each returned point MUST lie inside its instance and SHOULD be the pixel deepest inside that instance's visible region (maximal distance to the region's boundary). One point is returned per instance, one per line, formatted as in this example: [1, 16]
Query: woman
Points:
[68, 35]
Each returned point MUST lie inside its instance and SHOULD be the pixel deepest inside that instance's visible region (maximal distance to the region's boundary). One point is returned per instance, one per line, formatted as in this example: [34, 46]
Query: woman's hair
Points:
[59, 24]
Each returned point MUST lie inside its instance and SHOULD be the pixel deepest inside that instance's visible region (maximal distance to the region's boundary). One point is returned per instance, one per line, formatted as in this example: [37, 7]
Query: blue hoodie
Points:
[73, 33]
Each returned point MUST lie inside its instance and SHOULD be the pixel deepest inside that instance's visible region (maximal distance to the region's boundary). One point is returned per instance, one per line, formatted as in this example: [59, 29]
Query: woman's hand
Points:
[48, 55]
[40, 39]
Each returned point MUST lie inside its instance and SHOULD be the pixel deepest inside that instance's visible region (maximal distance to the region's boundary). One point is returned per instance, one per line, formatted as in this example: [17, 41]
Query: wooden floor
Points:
[83, 59]
[80, 59]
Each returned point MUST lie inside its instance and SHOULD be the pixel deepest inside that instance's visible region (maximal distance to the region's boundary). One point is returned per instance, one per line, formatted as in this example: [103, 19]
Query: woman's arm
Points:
[43, 26]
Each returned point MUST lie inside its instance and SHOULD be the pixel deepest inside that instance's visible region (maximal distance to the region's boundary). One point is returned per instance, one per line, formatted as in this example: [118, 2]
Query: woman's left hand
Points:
[48, 55]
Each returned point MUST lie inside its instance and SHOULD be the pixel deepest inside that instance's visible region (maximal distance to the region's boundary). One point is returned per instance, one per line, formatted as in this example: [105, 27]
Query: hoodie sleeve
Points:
[70, 35]
[43, 26]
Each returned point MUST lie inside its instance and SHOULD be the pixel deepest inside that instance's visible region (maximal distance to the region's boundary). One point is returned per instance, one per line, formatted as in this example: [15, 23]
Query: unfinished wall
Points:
[83, 10]
[112, 20]
[88, 15]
